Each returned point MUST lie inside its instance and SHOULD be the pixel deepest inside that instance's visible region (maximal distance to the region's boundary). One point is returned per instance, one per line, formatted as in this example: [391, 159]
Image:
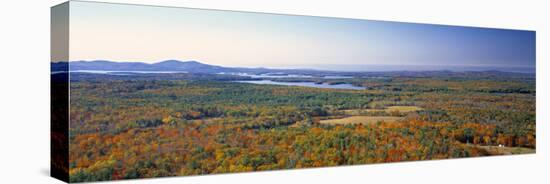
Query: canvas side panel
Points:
[59, 92]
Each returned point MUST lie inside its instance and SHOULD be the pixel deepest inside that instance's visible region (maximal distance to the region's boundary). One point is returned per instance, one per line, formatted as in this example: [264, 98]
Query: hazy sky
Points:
[151, 34]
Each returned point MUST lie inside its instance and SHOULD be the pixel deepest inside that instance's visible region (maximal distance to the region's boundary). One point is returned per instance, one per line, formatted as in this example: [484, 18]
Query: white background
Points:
[24, 92]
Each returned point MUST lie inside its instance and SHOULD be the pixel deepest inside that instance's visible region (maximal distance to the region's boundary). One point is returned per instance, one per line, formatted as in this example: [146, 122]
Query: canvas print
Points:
[149, 91]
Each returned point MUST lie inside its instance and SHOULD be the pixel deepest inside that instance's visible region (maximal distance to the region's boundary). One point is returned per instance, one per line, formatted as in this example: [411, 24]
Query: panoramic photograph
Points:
[161, 91]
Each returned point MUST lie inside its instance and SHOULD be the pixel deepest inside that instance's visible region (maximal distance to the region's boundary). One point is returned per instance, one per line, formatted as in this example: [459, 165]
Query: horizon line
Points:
[528, 69]
[366, 64]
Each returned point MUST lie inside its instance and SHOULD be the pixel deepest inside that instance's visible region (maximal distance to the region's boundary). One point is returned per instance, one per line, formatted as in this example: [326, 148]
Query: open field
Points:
[496, 150]
[403, 109]
[361, 120]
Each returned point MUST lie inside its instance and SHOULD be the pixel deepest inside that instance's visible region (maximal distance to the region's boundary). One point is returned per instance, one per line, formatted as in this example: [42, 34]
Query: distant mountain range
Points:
[168, 65]
[197, 67]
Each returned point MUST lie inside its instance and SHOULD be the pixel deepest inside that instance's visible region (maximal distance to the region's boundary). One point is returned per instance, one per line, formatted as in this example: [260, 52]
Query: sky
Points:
[117, 32]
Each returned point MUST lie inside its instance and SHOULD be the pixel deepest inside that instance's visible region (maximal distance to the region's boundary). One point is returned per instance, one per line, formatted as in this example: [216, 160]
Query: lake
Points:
[305, 84]
[283, 75]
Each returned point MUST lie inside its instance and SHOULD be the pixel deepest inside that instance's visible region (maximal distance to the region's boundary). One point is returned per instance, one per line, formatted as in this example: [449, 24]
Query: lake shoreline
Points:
[304, 84]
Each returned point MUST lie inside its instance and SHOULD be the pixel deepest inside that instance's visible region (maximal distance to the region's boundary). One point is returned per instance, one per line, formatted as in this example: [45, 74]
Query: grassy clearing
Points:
[360, 120]
[495, 150]
[403, 109]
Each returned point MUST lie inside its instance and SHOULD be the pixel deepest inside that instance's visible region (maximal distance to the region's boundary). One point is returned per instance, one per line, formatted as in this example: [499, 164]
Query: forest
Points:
[153, 125]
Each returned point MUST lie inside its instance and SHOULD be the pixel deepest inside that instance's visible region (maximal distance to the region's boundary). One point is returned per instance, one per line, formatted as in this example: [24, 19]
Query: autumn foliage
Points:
[149, 128]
